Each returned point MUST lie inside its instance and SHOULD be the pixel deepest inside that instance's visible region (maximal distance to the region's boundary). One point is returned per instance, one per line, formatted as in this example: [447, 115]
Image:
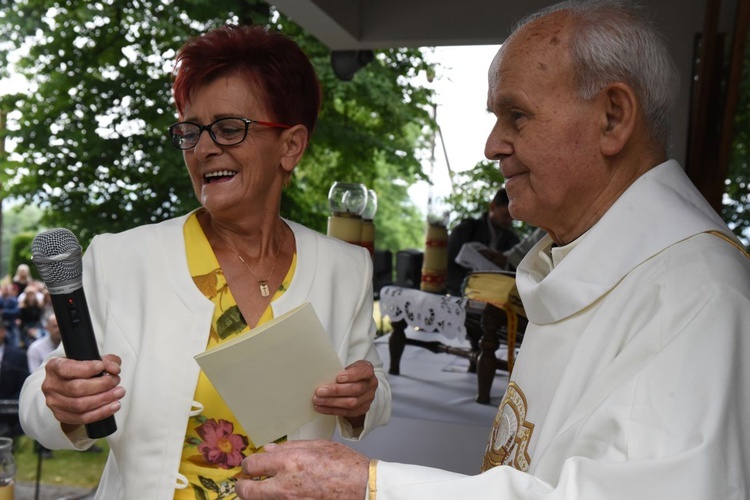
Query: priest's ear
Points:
[293, 146]
[619, 115]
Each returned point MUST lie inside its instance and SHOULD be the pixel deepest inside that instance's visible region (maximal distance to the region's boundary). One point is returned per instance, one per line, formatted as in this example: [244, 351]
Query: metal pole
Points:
[432, 163]
[39, 451]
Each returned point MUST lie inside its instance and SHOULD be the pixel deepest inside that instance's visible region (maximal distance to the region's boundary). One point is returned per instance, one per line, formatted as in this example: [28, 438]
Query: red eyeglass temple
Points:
[272, 124]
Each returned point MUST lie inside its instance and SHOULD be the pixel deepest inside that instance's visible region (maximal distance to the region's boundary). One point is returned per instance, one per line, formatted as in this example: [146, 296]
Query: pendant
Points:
[264, 291]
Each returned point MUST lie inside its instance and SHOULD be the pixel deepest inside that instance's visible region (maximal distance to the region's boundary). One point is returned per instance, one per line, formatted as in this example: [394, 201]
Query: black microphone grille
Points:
[56, 254]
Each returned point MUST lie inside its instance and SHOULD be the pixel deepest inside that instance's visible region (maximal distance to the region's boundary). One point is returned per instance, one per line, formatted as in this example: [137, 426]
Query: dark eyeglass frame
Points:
[176, 138]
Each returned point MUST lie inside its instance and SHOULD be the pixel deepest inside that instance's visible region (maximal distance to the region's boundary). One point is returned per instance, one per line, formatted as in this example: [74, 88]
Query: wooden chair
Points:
[494, 316]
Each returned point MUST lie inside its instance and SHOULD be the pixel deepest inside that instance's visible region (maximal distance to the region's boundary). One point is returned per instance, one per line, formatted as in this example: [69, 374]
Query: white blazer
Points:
[146, 309]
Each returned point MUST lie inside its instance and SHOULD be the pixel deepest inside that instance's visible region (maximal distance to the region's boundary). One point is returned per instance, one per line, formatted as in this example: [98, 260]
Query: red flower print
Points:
[220, 446]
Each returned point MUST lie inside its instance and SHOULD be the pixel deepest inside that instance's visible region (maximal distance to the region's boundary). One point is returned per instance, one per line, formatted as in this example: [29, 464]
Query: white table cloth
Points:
[431, 312]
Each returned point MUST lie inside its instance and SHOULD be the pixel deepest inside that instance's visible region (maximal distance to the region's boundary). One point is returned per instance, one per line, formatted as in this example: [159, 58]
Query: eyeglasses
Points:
[224, 131]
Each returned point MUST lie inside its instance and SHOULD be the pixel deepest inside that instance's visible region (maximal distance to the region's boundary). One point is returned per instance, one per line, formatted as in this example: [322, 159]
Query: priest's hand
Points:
[351, 395]
[313, 470]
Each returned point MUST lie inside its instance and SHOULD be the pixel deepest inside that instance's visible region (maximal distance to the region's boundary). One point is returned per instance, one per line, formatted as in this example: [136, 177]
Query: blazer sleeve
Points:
[361, 346]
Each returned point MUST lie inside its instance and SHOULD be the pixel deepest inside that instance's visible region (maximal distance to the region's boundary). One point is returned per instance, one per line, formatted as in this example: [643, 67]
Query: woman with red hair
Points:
[160, 294]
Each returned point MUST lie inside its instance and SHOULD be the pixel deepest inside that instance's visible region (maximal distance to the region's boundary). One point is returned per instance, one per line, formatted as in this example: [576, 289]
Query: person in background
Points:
[512, 257]
[13, 372]
[47, 308]
[10, 311]
[30, 312]
[21, 278]
[632, 381]
[45, 344]
[248, 101]
[493, 229]
[36, 287]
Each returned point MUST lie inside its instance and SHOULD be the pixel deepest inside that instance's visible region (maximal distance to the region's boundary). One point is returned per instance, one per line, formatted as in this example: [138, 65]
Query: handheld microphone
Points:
[56, 254]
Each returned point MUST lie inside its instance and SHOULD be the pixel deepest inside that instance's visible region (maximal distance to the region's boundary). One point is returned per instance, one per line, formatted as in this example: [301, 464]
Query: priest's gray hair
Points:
[615, 41]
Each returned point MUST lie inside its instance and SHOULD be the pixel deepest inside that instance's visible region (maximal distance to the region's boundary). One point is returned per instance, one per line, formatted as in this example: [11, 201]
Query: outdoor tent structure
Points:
[707, 38]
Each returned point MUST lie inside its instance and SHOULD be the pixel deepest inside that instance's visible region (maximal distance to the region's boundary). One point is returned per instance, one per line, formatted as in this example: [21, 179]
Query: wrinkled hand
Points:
[351, 395]
[76, 395]
[314, 470]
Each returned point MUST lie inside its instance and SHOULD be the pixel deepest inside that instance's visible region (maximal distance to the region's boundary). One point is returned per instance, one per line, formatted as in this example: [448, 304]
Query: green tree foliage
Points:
[20, 253]
[92, 149]
[16, 220]
[473, 190]
[736, 204]
[369, 131]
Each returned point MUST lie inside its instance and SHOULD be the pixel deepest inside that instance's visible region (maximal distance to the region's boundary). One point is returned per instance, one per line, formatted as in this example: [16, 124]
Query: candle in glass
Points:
[368, 226]
[435, 260]
[347, 202]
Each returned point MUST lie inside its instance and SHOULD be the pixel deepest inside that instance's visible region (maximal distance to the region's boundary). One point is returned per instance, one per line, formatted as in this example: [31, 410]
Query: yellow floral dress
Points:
[215, 442]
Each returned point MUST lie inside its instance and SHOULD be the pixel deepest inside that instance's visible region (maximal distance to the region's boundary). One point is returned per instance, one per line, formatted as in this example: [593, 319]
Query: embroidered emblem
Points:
[511, 433]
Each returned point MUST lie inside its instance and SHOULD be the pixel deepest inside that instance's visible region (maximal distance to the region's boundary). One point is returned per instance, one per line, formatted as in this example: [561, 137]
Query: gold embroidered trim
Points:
[511, 433]
[372, 479]
[730, 241]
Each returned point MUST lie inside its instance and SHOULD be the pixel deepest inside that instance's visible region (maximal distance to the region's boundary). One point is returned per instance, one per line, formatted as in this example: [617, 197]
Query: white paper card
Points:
[267, 377]
[470, 256]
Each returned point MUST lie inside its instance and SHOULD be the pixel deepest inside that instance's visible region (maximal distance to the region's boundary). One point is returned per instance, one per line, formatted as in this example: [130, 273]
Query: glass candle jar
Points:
[7, 469]
[347, 201]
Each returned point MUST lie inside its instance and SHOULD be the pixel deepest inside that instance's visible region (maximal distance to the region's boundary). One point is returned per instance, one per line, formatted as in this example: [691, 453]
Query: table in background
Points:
[444, 315]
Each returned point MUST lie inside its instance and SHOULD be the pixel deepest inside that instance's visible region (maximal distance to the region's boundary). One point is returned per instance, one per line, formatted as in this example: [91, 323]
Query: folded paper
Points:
[267, 377]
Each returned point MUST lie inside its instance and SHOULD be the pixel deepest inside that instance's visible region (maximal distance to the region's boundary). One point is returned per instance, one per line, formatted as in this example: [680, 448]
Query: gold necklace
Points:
[262, 284]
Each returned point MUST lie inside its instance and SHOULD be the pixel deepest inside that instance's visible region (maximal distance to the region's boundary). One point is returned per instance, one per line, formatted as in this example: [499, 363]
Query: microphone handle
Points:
[101, 428]
[77, 333]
